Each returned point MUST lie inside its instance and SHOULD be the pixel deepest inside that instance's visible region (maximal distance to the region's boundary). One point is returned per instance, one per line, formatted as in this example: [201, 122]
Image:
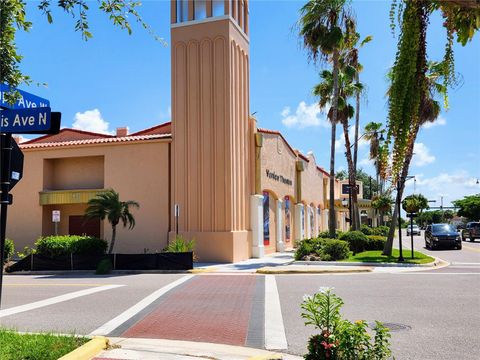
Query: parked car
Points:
[414, 229]
[471, 231]
[438, 235]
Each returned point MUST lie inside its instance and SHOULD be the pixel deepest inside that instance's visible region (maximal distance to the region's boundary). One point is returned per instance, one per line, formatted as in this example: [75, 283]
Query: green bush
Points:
[357, 241]
[367, 230]
[326, 234]
[9, 250]
[54, 246]
[380, 230]
[303, 249]
[376, 242]
[333, 250]
[104, 267]
[179, 244]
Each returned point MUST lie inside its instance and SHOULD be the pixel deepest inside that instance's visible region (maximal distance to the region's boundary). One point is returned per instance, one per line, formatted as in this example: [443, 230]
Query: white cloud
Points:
[422, 155]
[91, 120]
[451, 186]
[340, 142]
[304, 116]
[439, 122]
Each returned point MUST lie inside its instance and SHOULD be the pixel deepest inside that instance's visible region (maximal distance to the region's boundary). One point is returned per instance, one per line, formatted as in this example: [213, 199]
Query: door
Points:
[79, 225]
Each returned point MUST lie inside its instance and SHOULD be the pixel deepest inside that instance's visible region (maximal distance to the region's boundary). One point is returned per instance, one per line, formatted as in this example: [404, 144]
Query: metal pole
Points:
[350, 206]
[411, 233]
[400, 258]
[5, 154]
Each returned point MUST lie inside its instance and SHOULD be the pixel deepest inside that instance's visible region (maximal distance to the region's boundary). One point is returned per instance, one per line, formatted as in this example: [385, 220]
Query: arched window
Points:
[288, 219]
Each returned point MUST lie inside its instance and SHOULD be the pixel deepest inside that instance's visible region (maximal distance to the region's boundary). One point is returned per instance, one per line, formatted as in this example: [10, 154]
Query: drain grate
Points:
[392, 326]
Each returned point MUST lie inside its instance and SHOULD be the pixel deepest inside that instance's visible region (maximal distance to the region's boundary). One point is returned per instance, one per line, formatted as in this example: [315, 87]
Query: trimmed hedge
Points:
[367, 230]
[357, 241]
[56, 246]
[376, 242]
[381, 231]
[9, 250]
[326, 249]
[333, 250]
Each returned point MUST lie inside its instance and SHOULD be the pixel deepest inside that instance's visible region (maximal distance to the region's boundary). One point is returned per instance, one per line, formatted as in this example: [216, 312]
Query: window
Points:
[182, 10]
[200, 9]
[218, 7]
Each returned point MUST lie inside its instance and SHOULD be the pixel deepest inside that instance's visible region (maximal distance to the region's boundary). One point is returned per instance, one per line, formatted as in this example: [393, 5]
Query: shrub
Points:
[367, 230]
[333, 250]
[179, 244]
[25, 252]
[104, 267]
[380, 230]
[326, 234]
[304, 248]
[357, 241]
[9, 250]
[54, 246]
[340, 338]
[376, 242]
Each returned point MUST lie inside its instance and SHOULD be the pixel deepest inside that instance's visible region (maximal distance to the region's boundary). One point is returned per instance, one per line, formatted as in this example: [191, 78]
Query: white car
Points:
[415, 230]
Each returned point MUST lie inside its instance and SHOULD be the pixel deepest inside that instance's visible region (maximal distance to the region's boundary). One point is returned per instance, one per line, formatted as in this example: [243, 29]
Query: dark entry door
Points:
[78, 225]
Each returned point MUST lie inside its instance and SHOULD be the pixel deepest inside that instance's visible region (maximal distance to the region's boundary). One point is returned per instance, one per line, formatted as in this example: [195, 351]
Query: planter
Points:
[160, 261]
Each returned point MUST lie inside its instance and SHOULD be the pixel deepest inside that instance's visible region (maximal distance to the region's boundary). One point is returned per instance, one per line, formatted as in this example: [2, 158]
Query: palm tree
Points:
[107, 205]
[322, 30]
[346, 88]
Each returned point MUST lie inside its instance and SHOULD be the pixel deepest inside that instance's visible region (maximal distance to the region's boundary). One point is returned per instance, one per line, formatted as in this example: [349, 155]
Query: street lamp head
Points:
[381, 137]
[344, 202]
[478, 182]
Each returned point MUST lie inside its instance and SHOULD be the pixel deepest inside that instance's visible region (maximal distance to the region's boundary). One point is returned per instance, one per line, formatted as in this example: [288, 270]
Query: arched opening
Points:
[311, 213]
[288, 217]
[269, 221]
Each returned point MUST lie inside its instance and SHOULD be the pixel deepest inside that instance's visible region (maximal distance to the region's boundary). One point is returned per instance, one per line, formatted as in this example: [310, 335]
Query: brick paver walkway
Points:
[211, 308]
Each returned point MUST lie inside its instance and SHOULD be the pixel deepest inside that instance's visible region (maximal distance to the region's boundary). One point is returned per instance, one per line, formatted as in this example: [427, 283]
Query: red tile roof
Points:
[165, 128]
[104, 140]
[68, 134]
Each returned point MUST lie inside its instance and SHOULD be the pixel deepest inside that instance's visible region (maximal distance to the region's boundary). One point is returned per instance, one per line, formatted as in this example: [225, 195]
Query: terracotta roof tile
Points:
[165, 128]
[104, 140]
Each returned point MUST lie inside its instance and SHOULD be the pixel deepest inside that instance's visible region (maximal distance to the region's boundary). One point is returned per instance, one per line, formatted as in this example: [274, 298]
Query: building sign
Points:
[346, 189]
[279, 178]
[266, 218]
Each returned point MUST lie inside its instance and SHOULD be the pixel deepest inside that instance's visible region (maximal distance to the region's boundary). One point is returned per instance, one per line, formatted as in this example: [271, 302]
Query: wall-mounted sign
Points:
[346, 189]
[279, 178]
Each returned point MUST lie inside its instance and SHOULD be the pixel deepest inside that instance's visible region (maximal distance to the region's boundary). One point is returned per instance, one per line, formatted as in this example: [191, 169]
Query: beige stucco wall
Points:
[74, 173]
[137, 170]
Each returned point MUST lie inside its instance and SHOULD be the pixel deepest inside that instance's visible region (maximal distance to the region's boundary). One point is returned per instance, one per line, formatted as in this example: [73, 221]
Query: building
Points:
[238, 190]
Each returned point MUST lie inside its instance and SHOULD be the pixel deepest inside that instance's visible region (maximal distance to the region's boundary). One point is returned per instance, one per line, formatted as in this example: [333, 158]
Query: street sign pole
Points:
[6, 151]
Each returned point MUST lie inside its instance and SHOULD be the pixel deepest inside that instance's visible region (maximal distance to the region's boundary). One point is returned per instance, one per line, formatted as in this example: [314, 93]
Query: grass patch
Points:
[15, 346]
[376, 256]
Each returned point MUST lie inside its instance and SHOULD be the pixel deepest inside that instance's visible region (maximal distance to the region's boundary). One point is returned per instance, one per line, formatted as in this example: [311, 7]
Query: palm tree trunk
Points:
[331, 212]
[357, 124]
[114, 235]
[355, 220]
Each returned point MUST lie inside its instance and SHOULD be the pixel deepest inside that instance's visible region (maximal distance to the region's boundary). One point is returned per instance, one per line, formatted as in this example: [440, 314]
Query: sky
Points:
[116, 80]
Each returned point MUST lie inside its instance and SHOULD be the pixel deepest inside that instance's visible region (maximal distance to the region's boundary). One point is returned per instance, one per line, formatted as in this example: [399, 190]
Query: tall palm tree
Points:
[108, 206]
[322, 27]
[347, 87]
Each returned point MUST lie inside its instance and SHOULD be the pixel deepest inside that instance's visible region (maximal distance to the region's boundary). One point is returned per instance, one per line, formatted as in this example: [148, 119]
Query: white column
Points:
[308, 230]
[297, 216]
[256, 203]
[317, 222]
[325, 219]
[279, 221]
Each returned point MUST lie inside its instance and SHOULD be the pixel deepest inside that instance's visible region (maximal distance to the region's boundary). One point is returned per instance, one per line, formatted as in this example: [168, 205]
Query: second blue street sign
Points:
[25, 121]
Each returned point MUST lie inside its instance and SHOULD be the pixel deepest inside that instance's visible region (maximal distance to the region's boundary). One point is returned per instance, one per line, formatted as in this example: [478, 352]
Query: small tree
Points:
[108, 206]
[469, 207]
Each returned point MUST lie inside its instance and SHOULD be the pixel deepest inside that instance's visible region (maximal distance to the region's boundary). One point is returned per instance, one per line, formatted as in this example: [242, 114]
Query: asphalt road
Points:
[435, 313]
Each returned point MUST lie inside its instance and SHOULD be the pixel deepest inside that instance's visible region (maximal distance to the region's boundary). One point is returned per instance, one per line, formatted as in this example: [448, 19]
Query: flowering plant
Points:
[339, 338]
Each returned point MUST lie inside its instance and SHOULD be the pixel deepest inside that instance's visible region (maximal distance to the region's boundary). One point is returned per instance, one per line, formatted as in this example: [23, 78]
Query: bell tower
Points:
[212, 150]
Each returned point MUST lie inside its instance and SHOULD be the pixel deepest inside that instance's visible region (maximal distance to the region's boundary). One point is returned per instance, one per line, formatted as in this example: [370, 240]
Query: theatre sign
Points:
[279, 178]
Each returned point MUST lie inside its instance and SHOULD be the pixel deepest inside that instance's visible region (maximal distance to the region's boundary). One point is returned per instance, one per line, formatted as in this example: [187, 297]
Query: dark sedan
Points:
[442, 235]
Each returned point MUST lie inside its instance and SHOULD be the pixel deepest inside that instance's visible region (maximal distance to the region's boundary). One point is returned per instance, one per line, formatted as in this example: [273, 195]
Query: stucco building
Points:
[240, 191]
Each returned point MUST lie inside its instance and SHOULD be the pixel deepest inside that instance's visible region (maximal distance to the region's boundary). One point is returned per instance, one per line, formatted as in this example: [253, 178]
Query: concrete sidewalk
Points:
[157, 349]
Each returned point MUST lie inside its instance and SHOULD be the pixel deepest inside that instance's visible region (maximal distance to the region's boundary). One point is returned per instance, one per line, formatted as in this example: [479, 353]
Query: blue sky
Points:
[118, 80]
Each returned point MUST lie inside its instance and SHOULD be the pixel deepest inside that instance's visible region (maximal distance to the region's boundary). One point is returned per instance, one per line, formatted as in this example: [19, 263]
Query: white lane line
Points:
[111, 325]
[55, 300]
[438, 273]
[275, 338]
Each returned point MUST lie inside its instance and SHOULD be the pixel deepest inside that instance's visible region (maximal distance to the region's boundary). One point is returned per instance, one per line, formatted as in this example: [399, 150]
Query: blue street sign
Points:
[24, 121]
[26, 100]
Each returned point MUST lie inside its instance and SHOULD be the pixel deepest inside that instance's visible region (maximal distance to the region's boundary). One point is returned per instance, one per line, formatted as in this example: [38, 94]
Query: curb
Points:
[88, 350]
[271, 271]
[267, 357]
[92, 272]
[374, 264]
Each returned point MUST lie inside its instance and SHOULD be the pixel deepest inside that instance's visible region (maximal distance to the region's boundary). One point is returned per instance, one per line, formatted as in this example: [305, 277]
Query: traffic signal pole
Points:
[5, 155]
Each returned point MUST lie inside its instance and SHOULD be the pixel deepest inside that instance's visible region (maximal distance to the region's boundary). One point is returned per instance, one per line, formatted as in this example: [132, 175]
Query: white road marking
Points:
[438, 273]
[275, 338]
[55, 300]
[111, 325]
